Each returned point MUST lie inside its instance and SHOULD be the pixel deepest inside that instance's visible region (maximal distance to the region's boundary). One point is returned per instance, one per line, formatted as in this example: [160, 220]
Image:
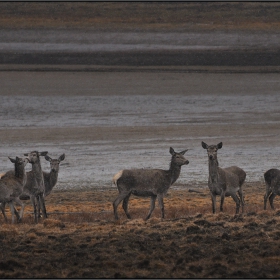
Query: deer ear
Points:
[183, 152]
[220, 145]
[171, 151]
[62, 157]
[12, 160]
[43, 154]
[47, 158]
[204, 145]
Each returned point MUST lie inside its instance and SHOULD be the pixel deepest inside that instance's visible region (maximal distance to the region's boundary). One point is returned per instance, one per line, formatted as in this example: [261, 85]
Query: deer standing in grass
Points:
[152, 183]
[35, 186]
[224, 181]
[11, 187]
[272, 181]
[50, 178]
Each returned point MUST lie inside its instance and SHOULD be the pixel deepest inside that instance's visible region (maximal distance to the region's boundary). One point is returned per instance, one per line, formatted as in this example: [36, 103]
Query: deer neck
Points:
[20, 174]
[213, 171]
[37, 171]
[53, 178]
[174, 172]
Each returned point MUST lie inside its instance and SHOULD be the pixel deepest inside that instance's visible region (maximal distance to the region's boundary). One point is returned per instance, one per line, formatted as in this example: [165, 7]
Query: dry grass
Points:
[190, 242]
[141, 15]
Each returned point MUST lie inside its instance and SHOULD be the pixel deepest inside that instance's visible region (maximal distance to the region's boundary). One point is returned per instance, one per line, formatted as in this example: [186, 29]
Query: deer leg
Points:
[20, 215]
[2, 206]
[222, 201]
[213, 198]
[152, 207]
[161, 205]
[271, 198]
[267, 194]
[17, 215]
[237, 201]
[117, 201]
[12, 211]
[39, 210]
[34, 204]
[125, 205]
[4, 214]
[241, 199]
[42, 206]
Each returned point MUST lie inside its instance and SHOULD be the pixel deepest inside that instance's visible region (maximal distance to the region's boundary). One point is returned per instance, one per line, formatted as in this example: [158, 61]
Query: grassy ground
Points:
[191, 242]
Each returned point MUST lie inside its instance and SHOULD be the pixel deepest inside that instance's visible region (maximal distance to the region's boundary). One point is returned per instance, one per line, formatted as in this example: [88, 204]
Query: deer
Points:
[224, 181]
[153, 183]
[272, 181]
[11, 187]
[35, 186]
[50, 178]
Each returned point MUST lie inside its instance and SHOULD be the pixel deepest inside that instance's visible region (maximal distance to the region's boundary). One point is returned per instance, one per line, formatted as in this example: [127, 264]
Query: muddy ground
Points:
[80, 239]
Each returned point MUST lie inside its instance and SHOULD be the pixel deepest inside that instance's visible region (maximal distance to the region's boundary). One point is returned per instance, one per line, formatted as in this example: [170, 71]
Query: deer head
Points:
[212, 150]
[33, 157]
[55, 162]
[178, 158]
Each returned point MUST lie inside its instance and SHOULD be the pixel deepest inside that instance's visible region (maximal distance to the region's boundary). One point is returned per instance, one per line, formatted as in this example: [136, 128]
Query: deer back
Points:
[232, 181]
[150, 180]
[237, 171]
[272, 178]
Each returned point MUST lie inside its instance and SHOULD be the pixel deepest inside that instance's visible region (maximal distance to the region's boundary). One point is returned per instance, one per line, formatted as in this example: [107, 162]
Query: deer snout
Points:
[211, 157]
[186, 162]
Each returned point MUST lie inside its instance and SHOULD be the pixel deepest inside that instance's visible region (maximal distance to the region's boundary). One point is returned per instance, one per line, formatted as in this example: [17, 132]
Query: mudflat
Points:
[108, 121]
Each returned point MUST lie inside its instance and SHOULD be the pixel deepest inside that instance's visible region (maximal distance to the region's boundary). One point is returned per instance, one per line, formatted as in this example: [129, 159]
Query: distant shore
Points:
[140, 34]
[143, 59]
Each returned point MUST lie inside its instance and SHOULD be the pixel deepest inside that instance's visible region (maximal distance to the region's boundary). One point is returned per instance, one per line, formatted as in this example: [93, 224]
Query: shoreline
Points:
[123, 68]
[157, 58]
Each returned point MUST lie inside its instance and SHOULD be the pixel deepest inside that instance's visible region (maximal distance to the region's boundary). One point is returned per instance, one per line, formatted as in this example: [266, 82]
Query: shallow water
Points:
[92, 163]
[137, 110]
[29, 40]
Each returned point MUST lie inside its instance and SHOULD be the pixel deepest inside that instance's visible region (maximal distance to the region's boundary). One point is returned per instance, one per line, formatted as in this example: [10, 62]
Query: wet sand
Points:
[107, 121]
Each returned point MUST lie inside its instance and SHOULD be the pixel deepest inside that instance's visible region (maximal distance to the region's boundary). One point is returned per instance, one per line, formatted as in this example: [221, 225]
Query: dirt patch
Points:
[80, 238]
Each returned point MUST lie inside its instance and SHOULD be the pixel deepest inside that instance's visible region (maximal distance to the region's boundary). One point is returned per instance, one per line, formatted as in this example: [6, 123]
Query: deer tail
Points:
[116, 177]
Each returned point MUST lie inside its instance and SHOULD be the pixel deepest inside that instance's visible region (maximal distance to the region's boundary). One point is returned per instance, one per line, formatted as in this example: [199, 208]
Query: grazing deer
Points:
[152, 183]
[35, 186]
[11, 187]
[272, 181]
[224, 181]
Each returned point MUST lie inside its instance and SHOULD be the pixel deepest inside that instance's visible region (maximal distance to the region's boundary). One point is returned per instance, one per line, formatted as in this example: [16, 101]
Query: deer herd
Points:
[17, 185]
